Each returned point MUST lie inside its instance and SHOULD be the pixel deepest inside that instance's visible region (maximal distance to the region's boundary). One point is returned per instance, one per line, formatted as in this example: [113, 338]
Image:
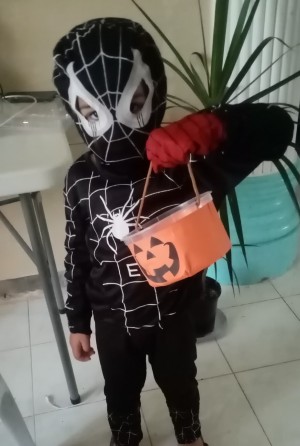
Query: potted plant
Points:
[213, 84]
[217, 88]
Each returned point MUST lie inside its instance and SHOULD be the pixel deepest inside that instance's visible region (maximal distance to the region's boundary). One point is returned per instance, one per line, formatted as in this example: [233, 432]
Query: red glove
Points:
[197, 134]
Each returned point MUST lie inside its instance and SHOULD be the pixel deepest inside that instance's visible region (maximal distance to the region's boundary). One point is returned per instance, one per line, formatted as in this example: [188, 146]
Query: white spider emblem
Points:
[119, 225]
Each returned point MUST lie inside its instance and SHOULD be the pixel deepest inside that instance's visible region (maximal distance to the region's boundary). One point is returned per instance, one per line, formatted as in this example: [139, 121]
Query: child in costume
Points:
[111, 76]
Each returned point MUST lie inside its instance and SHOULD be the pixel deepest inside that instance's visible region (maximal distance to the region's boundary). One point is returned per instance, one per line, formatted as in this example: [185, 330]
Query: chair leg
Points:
[44, 273]
[40, 215]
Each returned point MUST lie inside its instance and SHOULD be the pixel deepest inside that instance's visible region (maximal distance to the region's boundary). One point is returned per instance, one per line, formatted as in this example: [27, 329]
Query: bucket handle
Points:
[194, 184]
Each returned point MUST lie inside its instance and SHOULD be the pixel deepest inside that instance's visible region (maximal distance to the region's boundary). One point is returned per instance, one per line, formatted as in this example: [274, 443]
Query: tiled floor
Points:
[249, 375]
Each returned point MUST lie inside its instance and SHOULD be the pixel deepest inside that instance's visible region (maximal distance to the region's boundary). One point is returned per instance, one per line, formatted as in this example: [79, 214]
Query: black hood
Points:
[103, 62]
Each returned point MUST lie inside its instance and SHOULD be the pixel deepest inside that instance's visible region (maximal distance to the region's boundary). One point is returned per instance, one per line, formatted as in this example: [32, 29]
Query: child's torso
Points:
[109, 209]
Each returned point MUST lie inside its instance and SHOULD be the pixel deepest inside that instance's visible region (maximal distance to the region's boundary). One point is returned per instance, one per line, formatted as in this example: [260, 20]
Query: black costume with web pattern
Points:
[103, 61]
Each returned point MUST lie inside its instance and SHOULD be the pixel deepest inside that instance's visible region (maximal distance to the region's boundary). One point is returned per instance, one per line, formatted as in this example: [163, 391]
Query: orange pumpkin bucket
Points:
[181, 242]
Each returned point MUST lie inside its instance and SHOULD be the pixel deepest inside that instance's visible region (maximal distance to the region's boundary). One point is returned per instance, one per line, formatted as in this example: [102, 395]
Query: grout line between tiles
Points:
[272, 284]
[198, 379]
[31, 369]
[238, 383]
[267, 366]
[13, 349]
[281, 295]
[249, 303]
[55, 410]
[290, 307]
[274, 287]
[36, 344]
[286, 297]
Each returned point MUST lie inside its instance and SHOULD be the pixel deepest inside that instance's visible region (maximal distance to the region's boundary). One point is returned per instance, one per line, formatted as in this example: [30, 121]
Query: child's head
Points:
[111, 76]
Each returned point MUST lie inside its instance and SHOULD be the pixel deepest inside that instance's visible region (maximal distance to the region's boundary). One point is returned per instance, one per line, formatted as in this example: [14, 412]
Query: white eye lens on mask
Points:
[129, 113]
[100, 120]
[134, 107]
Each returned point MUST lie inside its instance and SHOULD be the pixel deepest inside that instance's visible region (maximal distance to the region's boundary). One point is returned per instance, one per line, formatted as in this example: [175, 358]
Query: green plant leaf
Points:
[262, 73]
[183, 107]
[195, 84]
[204, 64]
[197, 79]
[172, 97]
[219, 36]
[292, 168]
[237, 42]
[216, 270]
[251, 245]
[178, 102]
[168, 42]
[225, 221]
[236, 278]
[205, 59]
[235, 211]
[287, 183]
[232, 88]
[197, 88]
[180, 73]
[273, 87]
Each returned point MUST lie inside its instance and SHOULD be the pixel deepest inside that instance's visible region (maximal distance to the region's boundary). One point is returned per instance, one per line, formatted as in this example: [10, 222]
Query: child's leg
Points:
[173, 363]
[124, 371]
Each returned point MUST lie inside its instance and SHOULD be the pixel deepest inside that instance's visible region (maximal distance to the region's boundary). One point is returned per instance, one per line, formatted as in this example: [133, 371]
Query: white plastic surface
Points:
[32, 159]
[168, 217]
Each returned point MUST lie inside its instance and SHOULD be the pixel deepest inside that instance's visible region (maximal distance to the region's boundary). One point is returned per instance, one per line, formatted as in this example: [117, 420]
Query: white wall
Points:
[28, 31]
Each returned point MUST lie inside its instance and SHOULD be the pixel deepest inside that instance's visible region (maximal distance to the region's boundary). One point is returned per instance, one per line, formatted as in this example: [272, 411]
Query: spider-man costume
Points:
[103, 62]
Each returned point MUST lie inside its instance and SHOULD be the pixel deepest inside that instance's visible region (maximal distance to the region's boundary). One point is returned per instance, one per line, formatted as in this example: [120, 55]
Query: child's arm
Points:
[255, 133]
[234, 140]
[77, 265]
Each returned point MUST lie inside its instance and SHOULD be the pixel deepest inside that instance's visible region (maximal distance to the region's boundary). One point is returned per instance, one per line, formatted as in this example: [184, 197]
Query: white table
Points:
[35, 156]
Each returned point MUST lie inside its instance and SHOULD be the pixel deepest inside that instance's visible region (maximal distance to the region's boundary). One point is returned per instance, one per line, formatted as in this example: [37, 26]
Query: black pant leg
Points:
[124, 370]
[173, 362]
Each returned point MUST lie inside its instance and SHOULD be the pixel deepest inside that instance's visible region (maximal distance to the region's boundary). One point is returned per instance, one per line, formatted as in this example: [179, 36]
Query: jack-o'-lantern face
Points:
[160, 259]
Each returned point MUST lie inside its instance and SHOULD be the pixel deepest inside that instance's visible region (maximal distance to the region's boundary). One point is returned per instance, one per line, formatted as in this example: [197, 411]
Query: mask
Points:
[111, 76]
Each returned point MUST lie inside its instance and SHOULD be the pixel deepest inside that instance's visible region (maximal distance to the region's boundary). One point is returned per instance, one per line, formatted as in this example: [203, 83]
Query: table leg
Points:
[12, 418]
[40, 215]
[43, 269]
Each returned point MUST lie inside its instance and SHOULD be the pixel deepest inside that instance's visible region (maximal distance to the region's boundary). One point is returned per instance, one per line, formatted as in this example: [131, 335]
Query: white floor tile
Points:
[84, 425]
[150, 383]
[14, 327]
[274, 393]
[157, 419]
[227, 419]
[247, 294]
[260, 334]
[41, 330]
[48, 378]
[289, 284]
[210, 360]
[15, 367]
[6, 438]
[294, 303]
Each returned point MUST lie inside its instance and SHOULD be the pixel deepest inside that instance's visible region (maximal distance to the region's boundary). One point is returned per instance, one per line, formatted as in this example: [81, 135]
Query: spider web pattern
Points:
[101, 204]
[187, 425]
[105, 92]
